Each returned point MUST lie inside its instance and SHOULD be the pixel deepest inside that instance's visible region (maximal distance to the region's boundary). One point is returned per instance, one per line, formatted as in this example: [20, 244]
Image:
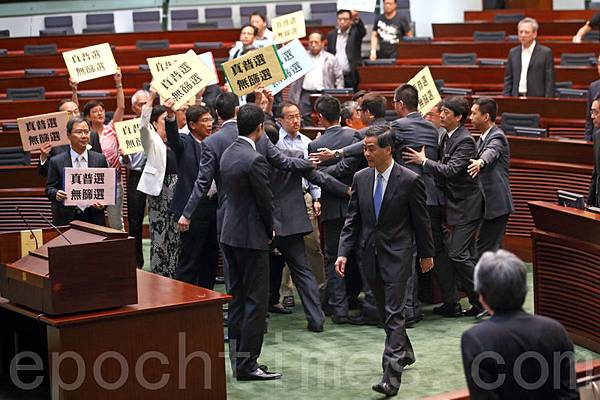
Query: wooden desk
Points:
[466, 29]
[566, 269]
[539, 15]
[172, 320]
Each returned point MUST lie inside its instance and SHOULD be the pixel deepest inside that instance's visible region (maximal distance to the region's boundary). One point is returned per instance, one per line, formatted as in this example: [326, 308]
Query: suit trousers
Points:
[413, 304]
[461, 256]
[306, 107]
[294, 253]
[248, 277]
[336, 286]
[136, 207]
[491, 234]
[199, 251]
[442, 271]
[115, 212]
[390, 298]
[312, 243]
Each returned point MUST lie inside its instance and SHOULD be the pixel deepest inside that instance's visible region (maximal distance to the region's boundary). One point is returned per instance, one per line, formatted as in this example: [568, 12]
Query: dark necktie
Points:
[378, 195]
[442, 148]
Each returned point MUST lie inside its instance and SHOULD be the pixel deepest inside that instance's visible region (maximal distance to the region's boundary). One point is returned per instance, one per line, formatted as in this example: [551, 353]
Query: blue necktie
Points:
[378, 196]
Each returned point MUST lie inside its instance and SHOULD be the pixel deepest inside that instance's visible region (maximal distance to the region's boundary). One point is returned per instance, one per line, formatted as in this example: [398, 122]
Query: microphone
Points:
[28, 227]
[55, 228]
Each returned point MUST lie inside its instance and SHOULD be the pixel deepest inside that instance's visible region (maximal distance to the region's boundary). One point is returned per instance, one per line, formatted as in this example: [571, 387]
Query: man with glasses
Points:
[594, 195]
[78, 156]
[345, 43]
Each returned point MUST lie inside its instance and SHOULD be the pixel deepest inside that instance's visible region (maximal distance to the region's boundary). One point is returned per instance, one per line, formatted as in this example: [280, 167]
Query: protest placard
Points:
[358, 5]
[428, 93]
[183, 79]
[44, 128]
[258, 66]
[87, 186]
[90, 62]
[296, 64]
[158, 65]
[128, 133]
[31, 240]
[288, 27]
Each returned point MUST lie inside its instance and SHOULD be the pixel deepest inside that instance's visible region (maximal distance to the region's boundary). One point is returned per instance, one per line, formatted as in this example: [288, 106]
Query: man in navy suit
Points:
[387, 210]
[491, 164]
[78, 156]
[199, 247]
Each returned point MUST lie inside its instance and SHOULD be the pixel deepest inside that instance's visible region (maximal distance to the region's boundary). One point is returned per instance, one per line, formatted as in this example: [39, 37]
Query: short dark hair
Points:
[487, 105]
[597, 97]
[91, 104]
[344, 11]
[409, 95]
[347, 111]
[458, 105]
[226, 104]
[73, 121]
[383, 133]
[254, 29]
[194, 113]
[375, 104]
[285, 104]
[258, 14]
[500, 278]
[271, 131]
[359, 94]
[250, 116]
[329, 107]
[157, 111]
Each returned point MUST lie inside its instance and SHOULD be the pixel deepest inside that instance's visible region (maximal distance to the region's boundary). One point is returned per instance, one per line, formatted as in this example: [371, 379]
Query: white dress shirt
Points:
[300, 142]
[386, 177]
[525, 59]
[486, 133]
[313, 80]
[79, 161]
[249, 141]
[340, 50]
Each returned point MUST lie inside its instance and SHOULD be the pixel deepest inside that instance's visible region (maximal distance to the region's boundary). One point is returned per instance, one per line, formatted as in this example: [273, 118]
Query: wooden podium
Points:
[88, 267]
[566, 269]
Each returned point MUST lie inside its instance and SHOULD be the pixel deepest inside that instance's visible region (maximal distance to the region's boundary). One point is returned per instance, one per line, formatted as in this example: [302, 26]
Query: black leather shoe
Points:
[448, 310]
[474, 311]
[385, 388]
[259, 375]
[362, 320]
[339, 319]
[315, 328]
[482, 314]
[288, 301]
[220, 280]
[279, 309]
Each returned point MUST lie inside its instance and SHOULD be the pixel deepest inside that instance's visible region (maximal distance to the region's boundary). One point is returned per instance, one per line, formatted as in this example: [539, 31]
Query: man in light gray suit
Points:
[387, 210]
[493, 159]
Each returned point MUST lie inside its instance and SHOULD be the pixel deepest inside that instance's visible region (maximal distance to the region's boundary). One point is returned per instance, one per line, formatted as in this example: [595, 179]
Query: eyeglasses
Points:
[293, 117]
[343, 19]
[594, 112]
[206, 120]
[81, 131]
[394, 101]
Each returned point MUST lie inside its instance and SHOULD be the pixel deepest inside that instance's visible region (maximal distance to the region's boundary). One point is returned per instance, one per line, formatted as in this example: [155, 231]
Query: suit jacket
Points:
[290, 216]
[403, 215]
[187, 152]
[61, 214]
[94, 142]
[333, 78]
[594, 193]
[334, 137]
[248, 201]
[464, 197]
[495, 152]
[540, 74]
[153, 175]
[353, 47]
[511, 336]
[593, 91]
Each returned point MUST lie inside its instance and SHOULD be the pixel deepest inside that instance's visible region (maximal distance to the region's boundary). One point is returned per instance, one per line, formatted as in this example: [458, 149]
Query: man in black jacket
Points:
[594, 193]
[345, 43]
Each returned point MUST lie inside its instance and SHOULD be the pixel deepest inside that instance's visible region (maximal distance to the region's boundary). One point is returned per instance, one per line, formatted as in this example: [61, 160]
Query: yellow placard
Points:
[90, 62]
[288, 27]
[183, 79]
[159, 65]
[129, 135]
[428, 93]
[37, 130]
[248, 71]
[28, 241]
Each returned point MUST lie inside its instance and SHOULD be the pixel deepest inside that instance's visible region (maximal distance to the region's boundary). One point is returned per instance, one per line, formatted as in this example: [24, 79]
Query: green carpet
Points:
[344, 361]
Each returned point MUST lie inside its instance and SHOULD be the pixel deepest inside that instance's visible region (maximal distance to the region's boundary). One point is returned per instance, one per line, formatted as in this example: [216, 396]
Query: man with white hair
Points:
[514, 355]
[530, 67]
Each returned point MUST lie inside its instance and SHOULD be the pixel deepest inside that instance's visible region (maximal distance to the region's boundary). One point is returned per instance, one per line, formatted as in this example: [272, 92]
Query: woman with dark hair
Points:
[246, 43]
[158, 182]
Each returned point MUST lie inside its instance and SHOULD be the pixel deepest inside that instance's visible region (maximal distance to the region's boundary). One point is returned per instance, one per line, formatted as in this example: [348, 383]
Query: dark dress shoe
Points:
[288, 301]
[362, 320]
[226, 339]
[339, 319]
[385, 388]
[315, 328]
[279, 309]
[259, 375]
[474, 311]
[448, 310]
[220, 280]
[482, 314]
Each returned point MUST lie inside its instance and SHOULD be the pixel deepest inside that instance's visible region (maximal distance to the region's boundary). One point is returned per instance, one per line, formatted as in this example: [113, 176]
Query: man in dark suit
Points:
[246, 233]
[464, 202]
[345, 43]
[387, 209]
[47, 152]
[333, 209]
[515, 355]
[593, 91]
[491, 164]
[529, 70]
[199, 247]
[594, 194]
[77, 156]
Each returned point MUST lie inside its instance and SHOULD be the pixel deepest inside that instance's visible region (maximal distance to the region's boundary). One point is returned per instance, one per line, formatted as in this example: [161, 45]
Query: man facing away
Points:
[387, 209]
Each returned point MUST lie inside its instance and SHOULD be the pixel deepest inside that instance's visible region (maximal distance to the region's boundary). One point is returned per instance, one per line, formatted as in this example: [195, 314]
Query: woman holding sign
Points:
[158, 182]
